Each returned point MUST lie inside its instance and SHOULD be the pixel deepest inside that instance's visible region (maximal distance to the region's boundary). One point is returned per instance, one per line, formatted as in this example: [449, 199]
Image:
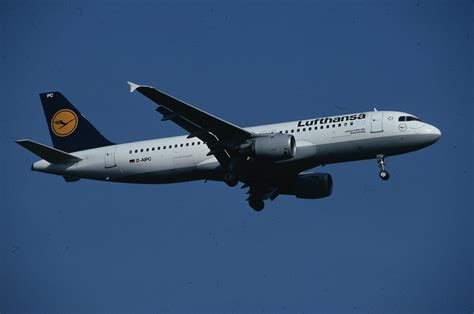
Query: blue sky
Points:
[402, 246]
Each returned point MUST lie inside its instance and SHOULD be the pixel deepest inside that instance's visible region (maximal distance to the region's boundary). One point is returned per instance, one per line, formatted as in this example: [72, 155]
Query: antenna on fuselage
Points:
[375, 109]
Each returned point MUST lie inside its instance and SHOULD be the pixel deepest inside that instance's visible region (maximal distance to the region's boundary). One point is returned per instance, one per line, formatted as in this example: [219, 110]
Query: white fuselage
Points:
[318, 141]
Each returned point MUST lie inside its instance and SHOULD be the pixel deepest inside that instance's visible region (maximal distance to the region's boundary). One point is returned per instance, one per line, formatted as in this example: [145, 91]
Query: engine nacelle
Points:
[272, 147]
[309, 186]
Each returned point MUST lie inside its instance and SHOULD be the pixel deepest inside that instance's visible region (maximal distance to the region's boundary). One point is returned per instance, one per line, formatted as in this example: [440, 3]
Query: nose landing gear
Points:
[383, 174]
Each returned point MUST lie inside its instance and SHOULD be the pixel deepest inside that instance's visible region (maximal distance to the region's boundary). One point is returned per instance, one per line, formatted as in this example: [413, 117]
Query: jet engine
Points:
[273, 147]
[309, 186]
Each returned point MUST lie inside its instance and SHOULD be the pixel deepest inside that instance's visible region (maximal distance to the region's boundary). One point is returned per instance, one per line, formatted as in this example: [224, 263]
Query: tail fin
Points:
[69, 129]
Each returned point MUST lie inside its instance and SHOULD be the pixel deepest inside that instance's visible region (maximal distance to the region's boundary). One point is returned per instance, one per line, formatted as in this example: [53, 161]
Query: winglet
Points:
[133, 86]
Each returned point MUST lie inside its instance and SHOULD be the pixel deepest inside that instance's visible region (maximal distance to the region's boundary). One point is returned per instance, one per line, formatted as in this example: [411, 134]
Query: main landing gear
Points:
[383, 174]
[230, 179]
[256, 203]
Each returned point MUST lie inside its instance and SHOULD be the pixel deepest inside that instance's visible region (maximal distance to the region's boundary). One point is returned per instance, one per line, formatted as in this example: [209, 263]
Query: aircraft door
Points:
[376, 122]
[110, 157]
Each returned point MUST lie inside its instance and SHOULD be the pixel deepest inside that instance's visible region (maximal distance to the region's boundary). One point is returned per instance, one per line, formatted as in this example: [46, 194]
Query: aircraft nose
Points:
[436, 132]
[431, 133]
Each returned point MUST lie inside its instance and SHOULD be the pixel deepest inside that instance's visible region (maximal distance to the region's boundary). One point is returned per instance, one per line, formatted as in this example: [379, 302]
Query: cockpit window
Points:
[408, 118]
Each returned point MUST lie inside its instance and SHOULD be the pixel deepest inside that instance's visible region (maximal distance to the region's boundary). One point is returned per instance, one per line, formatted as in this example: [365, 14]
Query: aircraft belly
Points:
[171, 169]
[366, 148]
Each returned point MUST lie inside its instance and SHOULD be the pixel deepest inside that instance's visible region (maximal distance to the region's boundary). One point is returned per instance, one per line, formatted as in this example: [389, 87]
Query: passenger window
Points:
[352, 123]
[297, 130]
[181, 145]
[345, 123]
[164, 147]
[141, 150]
[333, 125]
[199, 143]
[187, 144]
[286, 131]
[129, 151]
[192, 143]
[152, 148]
[309, 129]
[147, 149]
[136, 151]
[339, 125]
[304, 129]
[327, 126]
[158, 148]
[175, 145]
[292, 131]
[170, 147]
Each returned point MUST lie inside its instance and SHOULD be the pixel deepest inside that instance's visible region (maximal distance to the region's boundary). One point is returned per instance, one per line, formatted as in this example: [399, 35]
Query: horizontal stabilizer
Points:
[52, 155]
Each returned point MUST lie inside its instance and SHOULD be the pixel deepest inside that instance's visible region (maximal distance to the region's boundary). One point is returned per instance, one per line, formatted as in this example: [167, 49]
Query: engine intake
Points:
[309, 186]
[272, 147]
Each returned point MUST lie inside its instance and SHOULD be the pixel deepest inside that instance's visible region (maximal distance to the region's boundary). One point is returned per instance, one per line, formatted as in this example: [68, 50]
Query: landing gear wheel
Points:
[230, 179]
[384, 175]
[256, 203]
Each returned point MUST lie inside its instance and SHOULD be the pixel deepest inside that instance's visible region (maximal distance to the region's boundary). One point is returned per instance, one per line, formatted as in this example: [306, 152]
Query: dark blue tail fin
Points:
[69, 129]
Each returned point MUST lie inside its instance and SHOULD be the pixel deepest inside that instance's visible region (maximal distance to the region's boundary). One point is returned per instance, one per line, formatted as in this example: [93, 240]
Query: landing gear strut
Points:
[383, 174]
[256, 203]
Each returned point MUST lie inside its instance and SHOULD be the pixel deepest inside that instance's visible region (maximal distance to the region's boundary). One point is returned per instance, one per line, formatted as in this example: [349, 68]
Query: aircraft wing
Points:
[220, 136]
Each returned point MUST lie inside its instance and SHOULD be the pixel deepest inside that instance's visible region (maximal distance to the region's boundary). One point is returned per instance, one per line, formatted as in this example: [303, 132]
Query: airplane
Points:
[269, 160]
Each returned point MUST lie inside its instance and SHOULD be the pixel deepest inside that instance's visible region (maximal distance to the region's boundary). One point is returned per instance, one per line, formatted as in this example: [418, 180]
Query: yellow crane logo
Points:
[64, 122]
